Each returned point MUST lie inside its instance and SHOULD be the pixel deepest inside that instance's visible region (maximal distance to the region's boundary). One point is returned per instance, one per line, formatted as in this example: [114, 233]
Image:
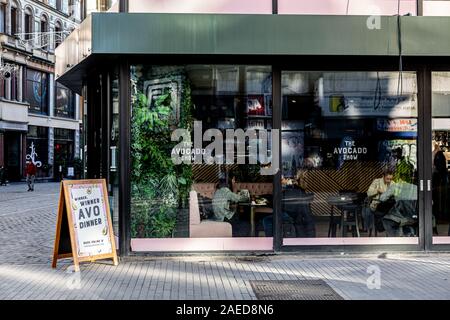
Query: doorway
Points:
[12, 152]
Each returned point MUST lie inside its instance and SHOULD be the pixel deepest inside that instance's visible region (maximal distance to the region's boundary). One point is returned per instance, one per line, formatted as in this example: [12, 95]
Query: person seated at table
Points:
[295, 208]
[376, 189]
[402, 217]
[222, 199]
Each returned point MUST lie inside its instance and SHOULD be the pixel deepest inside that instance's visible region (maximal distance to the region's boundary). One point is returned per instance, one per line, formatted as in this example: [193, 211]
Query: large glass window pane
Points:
[36, 91]
[37, 149]
[64, 141]
[441, 156]
[349, 156]
[65, 102]
[217, 191]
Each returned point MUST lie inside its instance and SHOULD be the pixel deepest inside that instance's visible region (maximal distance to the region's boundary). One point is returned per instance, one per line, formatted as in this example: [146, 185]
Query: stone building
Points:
[40, 120]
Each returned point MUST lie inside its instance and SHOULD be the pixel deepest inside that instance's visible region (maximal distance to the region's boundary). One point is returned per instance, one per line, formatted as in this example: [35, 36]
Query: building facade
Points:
[328, 120]
[39, 119]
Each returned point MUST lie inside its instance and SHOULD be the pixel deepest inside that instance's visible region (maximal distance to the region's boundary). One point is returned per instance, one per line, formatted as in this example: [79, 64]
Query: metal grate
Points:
[294, 290]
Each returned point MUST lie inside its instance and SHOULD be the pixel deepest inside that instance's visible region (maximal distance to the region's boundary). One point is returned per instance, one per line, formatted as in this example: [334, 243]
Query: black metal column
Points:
[420, 7]
[274, 6]
[277, 192]
[124, 158]
[123, 5]
[424, 134]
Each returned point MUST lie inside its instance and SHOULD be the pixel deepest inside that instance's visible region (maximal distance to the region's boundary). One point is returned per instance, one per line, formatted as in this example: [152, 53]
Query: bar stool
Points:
[347, 210]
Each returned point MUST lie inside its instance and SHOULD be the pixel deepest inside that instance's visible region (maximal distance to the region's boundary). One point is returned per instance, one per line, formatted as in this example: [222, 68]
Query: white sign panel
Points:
[90, 219]
[397, 125]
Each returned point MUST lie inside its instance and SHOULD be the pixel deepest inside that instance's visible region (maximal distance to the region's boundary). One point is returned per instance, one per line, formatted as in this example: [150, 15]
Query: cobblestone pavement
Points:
[27, 222]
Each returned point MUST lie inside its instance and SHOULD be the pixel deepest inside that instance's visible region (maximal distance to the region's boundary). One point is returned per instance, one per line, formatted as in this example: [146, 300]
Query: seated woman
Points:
[376, 189]
[222, 199]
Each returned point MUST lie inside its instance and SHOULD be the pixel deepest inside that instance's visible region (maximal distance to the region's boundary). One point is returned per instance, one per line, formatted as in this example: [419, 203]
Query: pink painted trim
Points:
[201, 244]
[348, 241]
[436, 8]
[346, 7]
[441, 240]
[202, 6]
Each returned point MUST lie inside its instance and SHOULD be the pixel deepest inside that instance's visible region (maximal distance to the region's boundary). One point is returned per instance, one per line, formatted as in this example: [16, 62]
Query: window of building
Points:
[14, 87]
[37, 149]
[14, 21]
[2, 18]
[235, 101]
[59, 5]
[64, 152]
[58, 35]
[348, 141]
[65, 102]
[44, 29]
[28, 24]
[36, 91]
[2, 88]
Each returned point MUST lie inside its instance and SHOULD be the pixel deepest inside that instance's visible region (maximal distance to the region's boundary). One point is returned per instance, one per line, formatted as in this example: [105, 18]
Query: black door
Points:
[12, 155]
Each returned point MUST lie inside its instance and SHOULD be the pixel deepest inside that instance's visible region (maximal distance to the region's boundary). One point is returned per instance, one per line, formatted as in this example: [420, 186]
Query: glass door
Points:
[440, 160]
[113, 158]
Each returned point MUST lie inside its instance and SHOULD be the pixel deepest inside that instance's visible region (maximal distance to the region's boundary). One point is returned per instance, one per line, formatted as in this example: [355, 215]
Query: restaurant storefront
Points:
[224, 134]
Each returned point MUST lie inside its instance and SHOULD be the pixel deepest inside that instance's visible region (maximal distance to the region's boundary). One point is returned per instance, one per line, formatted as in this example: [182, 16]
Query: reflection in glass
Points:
[216, 190]
[440, 148]
[349, 154]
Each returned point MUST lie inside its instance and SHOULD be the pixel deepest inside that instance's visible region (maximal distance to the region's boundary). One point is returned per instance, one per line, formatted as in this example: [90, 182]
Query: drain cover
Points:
[294, 290]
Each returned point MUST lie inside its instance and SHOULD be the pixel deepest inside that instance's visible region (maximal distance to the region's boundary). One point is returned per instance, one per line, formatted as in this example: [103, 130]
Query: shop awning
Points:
[112, 34]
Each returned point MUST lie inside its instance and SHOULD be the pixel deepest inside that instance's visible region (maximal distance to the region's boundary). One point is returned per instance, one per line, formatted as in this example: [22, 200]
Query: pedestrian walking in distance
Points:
[30, 171]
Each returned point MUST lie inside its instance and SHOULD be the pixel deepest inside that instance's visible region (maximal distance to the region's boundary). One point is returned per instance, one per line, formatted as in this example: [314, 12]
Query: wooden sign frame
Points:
[65, 227]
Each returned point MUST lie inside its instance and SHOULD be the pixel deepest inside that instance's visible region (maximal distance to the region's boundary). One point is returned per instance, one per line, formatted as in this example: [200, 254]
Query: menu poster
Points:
[84, 211]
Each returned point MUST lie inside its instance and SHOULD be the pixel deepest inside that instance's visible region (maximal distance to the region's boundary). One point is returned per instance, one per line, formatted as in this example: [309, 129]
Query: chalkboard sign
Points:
[83, 228]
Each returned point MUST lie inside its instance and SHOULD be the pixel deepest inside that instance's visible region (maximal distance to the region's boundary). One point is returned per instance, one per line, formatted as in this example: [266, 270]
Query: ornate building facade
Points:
[39, 119]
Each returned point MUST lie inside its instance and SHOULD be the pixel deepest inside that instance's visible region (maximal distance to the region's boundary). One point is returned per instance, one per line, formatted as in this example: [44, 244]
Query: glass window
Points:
[3, 88]
[37, 149]
[65, 102]
[44, 29]
[2, 18]
[13, 20]
[36, 91]
[211, 178]
[64, 144]
[349, 156]
[14, 87]
[28, 25]
[440, 149]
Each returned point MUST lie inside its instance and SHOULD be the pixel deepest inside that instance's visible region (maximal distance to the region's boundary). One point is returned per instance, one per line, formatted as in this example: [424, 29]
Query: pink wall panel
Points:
[436, 8]
[344, 7]
[202, 6]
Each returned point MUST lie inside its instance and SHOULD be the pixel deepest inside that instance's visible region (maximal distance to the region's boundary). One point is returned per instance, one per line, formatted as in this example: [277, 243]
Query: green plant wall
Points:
[159, 188]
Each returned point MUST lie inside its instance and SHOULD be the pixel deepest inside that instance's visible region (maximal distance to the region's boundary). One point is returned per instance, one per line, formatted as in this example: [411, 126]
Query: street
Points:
[27, 227]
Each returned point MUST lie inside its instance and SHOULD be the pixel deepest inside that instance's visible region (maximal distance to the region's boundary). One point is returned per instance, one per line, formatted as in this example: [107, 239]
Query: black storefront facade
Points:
[350, 104]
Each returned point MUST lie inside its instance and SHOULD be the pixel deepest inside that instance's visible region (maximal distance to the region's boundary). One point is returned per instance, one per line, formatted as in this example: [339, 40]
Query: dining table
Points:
[252, 205]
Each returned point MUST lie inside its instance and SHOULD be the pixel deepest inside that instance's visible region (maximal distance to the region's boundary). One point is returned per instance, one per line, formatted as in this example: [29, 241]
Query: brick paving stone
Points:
[27, 226]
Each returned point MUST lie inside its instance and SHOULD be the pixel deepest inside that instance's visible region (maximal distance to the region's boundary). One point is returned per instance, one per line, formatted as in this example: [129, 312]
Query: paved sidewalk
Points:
[27, 222]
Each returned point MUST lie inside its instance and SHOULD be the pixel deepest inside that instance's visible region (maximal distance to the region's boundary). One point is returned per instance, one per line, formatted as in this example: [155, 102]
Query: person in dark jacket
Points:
[3, 176]
[296, 208]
